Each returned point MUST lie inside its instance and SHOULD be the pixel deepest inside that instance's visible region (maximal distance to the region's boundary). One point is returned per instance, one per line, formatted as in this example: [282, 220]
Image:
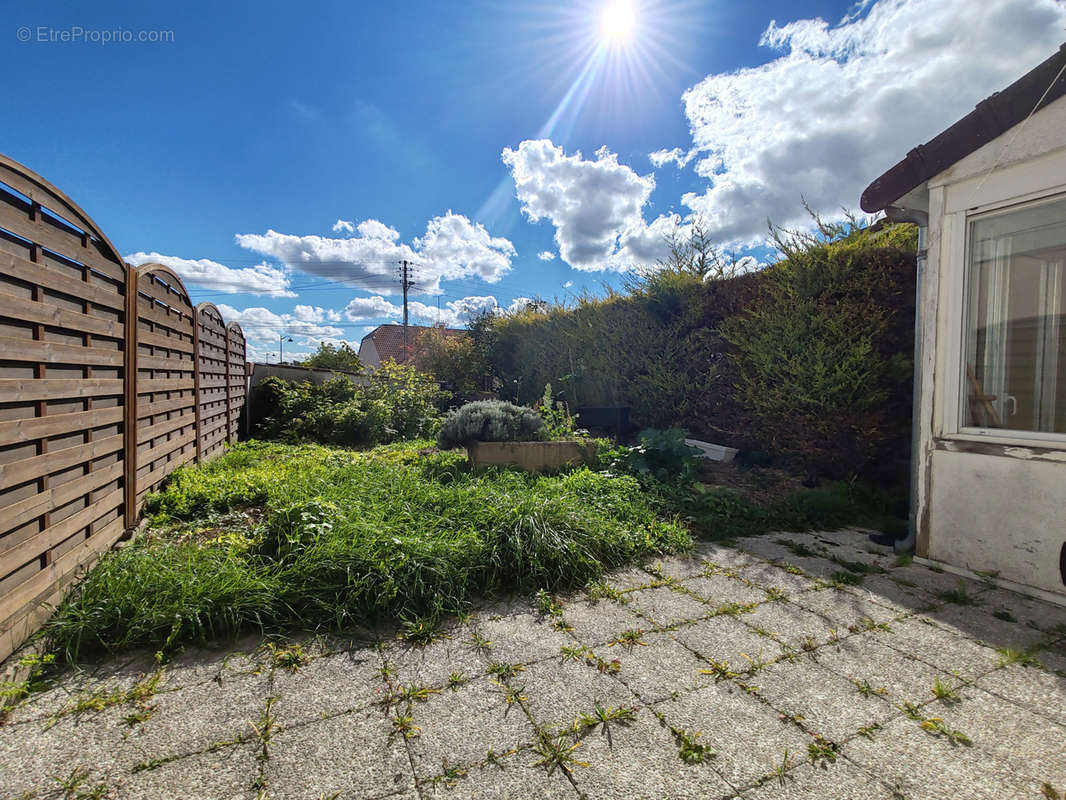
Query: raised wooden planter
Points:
[531, 456]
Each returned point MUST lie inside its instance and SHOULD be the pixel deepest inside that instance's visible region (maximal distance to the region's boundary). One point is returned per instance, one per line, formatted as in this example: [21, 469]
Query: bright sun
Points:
[618, 21]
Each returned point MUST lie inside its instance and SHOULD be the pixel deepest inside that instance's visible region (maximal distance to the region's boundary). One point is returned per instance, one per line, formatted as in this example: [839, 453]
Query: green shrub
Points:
[662, 455]
[490, 421]
[397, 402]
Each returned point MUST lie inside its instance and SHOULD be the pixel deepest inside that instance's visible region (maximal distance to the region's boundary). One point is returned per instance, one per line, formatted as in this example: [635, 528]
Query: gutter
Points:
[921, 219]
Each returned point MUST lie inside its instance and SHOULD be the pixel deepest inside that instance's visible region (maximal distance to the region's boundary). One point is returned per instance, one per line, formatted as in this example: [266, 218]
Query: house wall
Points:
[368, 353]
[996, 500]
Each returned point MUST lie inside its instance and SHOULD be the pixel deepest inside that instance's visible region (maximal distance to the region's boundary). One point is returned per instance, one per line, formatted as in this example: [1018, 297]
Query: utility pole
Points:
[405, 278]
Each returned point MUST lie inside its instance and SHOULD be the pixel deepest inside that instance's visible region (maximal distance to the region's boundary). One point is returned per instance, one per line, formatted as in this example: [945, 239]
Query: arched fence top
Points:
[207, 307]
[169, 281]
[235, 328]
[56, 202]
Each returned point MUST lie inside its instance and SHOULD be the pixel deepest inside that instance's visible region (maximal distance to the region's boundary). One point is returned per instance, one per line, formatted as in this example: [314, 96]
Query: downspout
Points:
[921, 219]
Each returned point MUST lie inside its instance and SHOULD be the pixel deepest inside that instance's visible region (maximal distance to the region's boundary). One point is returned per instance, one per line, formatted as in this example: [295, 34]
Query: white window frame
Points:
[955, 252]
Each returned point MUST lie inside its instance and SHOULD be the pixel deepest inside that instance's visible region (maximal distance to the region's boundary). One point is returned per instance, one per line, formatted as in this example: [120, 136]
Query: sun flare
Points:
[618, 22]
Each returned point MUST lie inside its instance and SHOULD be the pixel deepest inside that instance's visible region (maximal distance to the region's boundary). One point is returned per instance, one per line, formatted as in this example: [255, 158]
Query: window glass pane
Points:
[1015, 347]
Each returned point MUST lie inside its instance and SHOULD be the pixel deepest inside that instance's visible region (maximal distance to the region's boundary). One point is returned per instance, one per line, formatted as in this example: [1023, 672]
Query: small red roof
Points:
[388, 339]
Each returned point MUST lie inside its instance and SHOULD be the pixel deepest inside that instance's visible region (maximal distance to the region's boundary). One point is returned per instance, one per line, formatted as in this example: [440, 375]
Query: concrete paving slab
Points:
[516, 776]
[678, 567]
[940, 647]
[34, 756]
[1012, 733]
[432, 664]
[923, 767]
[196, 717]
[864, 658]
[977, 623]
[460, 728]
[664, 606]
[829, 704]
[845, 610]
[937, 583]
[328, 685]
[726, 639]
[599, 623]
[521, 638]
[722, 555]
[840, 779]
[558, 692]
[781, 576]
[897, 593]
[356, 754]
[641, 760]
[718, 589]
[1026, 611]
[792, 625]
[747, 736]
[659, 667]
[229, 772]
[1041, 691]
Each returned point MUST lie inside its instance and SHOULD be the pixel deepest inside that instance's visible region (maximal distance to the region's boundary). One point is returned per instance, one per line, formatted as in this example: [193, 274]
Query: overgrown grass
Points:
[348, 538]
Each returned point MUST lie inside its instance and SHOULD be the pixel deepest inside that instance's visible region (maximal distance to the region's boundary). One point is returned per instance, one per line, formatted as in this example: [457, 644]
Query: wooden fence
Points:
[109, 379]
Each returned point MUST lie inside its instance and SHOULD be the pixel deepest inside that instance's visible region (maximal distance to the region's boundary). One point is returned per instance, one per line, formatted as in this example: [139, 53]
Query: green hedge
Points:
[807, 362]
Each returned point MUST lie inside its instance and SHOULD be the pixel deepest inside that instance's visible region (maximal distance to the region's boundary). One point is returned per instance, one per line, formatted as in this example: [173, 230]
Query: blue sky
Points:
[283, 159]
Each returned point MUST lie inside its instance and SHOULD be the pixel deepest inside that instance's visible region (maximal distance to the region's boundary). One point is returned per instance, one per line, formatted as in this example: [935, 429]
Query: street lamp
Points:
[281, 346]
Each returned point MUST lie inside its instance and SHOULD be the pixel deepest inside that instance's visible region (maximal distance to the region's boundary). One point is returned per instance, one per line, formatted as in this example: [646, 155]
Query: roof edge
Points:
[992, 117]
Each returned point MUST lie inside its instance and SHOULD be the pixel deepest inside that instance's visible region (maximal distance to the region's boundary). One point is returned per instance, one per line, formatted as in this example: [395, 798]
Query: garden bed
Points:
[270, 536]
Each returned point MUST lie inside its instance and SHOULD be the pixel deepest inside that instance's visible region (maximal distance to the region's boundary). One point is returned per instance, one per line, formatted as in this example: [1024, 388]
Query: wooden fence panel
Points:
[63, 368]
[165, 380]
[237, 383]
[213, 361]
[109, 380]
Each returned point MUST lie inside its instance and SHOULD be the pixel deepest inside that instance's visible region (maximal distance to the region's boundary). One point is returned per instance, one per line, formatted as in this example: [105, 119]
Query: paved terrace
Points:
[752, 672]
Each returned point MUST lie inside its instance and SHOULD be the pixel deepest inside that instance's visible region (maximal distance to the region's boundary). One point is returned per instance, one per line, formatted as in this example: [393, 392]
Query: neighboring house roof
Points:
[388, 339]
[991, 118]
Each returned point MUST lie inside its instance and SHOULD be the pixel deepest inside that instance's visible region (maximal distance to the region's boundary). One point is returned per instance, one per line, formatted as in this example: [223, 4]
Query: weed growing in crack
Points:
[419, 631]
[264, 731]
[504, 671]
[457, 679]
[412, 693]
[774, 594]
[449, 775]
[556, 752]
[603, 716]
[780, 771]
[937, 727]
[75, 786]
[481, 644]
[1049, 792]
[959, 596]
[941, 691]
[404, 725]
[1004, 615]
[822, 749]
[629, 638]
[690, 750]
[574, 652]
[601, 589]
[1008, 656]
[720, 670]
[866, 690]
[290, 657]
[912, 710]
[867, 731]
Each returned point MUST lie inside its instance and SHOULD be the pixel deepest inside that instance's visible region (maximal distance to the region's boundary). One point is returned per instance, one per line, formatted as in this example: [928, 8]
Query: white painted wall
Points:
[995, 500]
[368, 353]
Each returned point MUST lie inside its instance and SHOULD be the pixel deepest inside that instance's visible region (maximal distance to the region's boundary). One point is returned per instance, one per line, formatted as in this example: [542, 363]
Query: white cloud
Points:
[361, 308]
[454, 313]
[343, 225]
[676, 155]
[595, 205]
[452, 247]
[843, 103]
[568, 284]
[260, 279]
[546, 255]
[263, 327]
